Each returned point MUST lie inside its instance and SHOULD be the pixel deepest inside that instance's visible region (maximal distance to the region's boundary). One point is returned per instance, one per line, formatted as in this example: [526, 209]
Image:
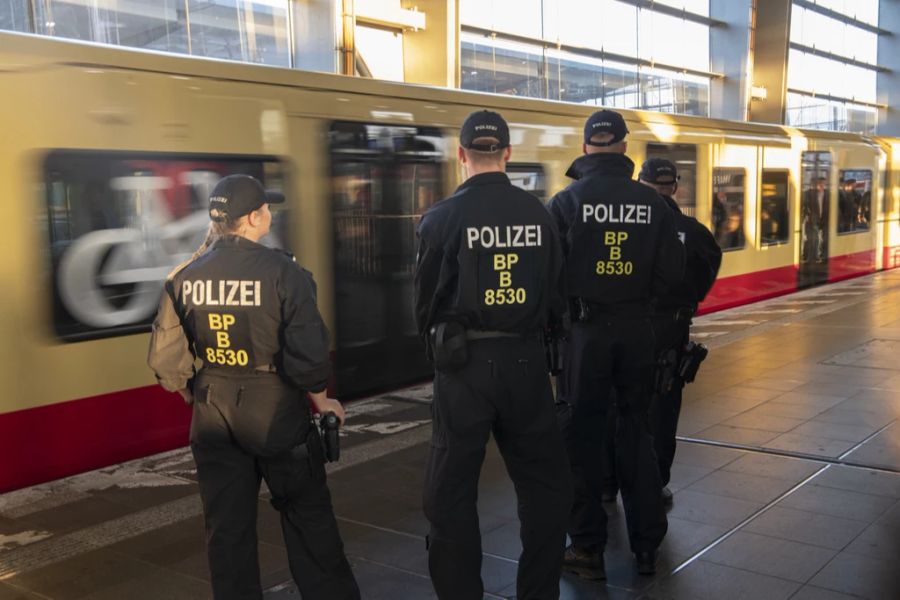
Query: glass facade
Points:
[844, 99]
[244, 30]
[821, 113]
[535, 48]
[15, 15]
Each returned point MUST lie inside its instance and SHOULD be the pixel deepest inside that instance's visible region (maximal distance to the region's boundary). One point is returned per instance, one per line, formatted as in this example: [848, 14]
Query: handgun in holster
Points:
[694, 354]
[448, 346]
[331, 438]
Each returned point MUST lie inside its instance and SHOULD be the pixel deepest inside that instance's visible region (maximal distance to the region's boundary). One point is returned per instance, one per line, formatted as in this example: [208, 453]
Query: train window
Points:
[854, 200]
[383, 178]
[773, 213]
[118, 222]
[728, 207]
[529, 177]
[685, 158]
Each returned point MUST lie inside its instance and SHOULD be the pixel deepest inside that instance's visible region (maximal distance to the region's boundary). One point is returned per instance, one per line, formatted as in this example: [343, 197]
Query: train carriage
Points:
[109, 155]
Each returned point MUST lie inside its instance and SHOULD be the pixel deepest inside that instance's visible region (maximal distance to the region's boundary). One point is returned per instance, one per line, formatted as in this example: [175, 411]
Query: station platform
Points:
[786, 481]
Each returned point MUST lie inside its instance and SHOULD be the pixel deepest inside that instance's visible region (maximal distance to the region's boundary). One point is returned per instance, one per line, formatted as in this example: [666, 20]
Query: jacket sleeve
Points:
[170, 354]
[305, 349]
[711, 258]
[428, 273]
[668, 267]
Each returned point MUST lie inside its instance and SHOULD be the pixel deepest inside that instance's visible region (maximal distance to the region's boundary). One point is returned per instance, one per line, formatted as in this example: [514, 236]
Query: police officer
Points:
[621, 250]
[488, 280]
[248, 314]
[674, 309]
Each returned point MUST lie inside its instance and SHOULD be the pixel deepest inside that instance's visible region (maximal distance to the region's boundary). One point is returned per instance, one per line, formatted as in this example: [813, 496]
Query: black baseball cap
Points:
[605, 122]
[237, 195]
[659, 171]
[484, 124]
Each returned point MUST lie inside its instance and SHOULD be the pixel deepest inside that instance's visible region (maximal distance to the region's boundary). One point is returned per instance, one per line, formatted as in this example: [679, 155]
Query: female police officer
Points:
[248, 314]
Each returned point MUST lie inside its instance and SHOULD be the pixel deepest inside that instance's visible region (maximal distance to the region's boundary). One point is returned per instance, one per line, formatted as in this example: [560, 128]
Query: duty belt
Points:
[584, 309]
[681, 313]
[485, 334]
[259, 369]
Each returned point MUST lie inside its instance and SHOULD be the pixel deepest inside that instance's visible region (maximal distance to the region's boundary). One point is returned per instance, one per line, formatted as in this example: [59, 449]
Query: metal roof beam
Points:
[841, 17]
[680, 13]
[839, 58]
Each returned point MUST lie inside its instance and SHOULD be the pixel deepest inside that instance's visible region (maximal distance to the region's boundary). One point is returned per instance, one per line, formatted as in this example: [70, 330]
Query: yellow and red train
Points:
[109, 154]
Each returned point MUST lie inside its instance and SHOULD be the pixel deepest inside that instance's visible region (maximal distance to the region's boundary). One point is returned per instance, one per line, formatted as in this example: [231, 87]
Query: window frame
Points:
[535, 168]
[837, 223]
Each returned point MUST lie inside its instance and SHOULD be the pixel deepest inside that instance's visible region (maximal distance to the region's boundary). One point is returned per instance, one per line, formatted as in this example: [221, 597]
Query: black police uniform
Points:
[622, 250]
[489, 273]
[248, 313]
[672, 323]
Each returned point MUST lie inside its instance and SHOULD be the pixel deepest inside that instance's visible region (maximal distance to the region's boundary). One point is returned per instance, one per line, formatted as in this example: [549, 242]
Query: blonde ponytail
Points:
[216, 230]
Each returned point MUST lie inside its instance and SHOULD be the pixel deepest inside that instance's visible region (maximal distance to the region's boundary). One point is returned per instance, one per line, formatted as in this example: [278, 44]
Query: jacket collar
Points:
[601, 163]
[491, 178]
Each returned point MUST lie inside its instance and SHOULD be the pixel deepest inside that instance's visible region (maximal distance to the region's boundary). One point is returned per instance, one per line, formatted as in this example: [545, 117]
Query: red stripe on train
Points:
[48, 442]
[58, 440]
[851, 265]
[729, 292]
[891, 257]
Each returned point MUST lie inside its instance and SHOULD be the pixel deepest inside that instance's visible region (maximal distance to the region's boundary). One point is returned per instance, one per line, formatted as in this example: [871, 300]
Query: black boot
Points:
[646, 562]
[587, 564]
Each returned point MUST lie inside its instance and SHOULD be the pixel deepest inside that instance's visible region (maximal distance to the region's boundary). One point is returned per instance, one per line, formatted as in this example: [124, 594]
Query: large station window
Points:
[383, 178]
[684, 156]
[529, 177]
[728, 207]
[854, 200]
[117, 224]
[245, 30]
[774, 225]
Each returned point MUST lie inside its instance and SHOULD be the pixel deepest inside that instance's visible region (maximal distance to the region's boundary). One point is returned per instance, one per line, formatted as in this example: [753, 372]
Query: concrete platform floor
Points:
[787, 484]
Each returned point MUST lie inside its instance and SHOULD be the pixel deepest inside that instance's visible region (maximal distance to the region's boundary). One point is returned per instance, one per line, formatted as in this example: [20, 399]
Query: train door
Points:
[815, 218]
[383, 178]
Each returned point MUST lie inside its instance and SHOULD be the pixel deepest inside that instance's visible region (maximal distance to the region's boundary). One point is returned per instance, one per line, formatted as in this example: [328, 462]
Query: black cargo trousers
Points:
[611, 353]
[504, 388]
[254, 426]
[672, 329]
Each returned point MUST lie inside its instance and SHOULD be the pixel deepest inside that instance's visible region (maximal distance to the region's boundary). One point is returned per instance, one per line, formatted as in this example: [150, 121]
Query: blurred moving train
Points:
[109, 154]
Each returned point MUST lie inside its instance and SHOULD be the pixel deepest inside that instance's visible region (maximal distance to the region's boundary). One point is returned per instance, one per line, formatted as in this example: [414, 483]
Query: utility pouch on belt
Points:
[665, 371]
[553, 351]
[448, 345]
[694, 354]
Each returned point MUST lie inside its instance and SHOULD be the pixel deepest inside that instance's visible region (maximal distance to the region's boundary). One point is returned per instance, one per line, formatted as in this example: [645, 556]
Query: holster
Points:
[448, 346]
[694, 354]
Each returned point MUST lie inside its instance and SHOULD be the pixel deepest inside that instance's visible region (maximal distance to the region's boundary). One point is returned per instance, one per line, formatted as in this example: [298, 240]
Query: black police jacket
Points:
[703, 258]
[240, 307]
[489, 259]
[618, 235]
